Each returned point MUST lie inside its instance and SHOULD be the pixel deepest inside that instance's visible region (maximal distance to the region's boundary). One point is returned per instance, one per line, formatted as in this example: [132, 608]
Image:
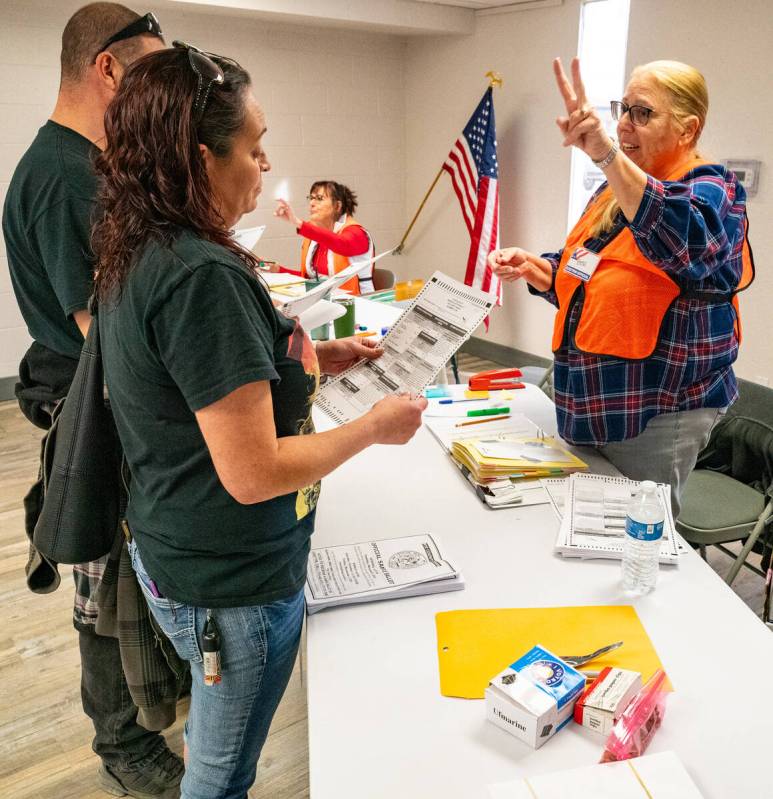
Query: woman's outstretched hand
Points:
[582, 127]
[284, 211]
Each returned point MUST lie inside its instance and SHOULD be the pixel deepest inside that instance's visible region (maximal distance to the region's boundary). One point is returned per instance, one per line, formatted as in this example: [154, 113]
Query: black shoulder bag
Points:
[81, 469]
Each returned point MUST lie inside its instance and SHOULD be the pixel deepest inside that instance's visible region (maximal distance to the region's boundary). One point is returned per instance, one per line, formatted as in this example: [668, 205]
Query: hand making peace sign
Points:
[582, 127]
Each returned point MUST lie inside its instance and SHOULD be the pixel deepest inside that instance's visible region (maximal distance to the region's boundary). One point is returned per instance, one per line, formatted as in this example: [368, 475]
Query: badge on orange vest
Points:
[582, 264]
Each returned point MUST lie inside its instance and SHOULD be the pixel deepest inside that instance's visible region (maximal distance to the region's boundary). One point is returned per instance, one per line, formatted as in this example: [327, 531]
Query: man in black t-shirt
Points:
[46, 225]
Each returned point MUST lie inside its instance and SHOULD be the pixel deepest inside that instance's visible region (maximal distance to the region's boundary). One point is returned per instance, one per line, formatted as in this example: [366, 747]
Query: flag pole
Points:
[495, 79]
[399, 249]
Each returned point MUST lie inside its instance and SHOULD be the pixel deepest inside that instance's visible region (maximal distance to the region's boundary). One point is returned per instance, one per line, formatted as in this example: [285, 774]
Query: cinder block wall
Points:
[334, 103]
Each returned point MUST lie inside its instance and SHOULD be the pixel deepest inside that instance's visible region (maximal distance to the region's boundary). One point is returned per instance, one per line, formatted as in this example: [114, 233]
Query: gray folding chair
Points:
[729, 495]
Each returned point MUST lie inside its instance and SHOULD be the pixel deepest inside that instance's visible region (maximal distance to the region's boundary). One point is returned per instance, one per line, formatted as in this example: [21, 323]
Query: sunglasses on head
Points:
[147, 24]
[208, 72]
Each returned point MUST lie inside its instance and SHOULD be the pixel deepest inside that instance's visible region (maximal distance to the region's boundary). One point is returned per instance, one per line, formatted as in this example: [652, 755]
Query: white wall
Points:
[729, 42]
[444, 82]
[334, 103]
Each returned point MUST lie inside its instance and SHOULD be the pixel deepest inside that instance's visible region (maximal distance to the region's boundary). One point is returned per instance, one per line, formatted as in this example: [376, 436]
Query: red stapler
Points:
[495, 379]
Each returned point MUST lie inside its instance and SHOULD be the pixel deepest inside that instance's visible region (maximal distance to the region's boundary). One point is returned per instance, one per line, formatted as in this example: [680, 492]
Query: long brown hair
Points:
[154, 180]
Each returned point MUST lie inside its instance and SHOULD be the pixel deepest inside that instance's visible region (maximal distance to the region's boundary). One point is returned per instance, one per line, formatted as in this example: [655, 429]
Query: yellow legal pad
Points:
[475, 645]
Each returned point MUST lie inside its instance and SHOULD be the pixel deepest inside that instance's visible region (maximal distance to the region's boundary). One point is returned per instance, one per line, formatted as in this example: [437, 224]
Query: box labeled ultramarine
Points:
[534, 697]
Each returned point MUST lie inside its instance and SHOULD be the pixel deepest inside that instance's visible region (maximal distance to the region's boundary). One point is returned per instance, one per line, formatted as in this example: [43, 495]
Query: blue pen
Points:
[449, 401]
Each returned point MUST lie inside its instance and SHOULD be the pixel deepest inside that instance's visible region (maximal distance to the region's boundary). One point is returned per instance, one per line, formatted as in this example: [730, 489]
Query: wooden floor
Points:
[45, 738]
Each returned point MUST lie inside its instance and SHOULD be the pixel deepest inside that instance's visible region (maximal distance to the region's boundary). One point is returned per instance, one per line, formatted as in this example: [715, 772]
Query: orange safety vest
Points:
[627, 296]
[340, 262]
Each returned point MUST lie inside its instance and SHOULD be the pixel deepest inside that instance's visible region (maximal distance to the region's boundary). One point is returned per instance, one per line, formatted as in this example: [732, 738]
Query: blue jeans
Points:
[228, 723]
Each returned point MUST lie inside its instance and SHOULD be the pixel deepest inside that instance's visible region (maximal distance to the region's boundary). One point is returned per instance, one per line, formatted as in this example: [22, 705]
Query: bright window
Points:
[601, 48]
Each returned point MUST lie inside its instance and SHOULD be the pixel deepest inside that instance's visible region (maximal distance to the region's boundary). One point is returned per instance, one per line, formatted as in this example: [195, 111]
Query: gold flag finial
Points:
[494, 78]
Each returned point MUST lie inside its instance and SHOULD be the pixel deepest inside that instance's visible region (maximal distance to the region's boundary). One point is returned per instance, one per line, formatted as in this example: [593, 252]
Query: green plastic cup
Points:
[344, 325]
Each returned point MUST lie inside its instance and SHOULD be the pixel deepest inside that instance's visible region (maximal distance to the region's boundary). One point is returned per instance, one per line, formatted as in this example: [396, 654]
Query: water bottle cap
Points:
[647, 486]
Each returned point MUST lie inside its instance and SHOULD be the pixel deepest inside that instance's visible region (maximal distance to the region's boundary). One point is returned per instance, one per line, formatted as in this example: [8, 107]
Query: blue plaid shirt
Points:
[693, 229]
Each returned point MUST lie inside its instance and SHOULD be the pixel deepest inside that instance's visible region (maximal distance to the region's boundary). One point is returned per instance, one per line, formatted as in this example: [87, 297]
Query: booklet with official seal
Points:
[372, 570]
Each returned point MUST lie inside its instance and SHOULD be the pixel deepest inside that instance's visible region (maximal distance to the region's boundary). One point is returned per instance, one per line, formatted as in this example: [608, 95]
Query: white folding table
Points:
[378, 726]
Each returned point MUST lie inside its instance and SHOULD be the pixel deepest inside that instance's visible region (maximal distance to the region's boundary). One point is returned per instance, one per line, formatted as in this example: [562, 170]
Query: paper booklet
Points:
[659, 776]
[593, 523]
[372, 570]
[440, 319]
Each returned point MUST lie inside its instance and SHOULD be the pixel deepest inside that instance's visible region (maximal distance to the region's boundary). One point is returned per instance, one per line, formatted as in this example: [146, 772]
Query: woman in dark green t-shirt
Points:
[212, 389]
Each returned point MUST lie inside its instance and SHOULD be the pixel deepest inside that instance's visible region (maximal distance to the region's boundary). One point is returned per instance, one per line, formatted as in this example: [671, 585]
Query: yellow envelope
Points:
[475, 645]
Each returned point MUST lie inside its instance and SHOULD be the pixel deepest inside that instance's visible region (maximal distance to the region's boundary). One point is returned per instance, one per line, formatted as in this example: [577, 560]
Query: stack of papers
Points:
[593, 522]
[372, 570]
[660, 776]
[504, 488]
[491, 458]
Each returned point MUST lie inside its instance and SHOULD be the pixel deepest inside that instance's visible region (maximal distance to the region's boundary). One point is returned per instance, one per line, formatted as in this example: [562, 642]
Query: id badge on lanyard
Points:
[582, 264]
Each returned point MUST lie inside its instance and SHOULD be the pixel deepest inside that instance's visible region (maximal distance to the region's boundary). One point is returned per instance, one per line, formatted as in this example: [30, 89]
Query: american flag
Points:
[472, 165]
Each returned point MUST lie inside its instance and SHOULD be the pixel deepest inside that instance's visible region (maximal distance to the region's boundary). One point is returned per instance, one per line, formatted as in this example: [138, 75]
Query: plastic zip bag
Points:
[634, 730]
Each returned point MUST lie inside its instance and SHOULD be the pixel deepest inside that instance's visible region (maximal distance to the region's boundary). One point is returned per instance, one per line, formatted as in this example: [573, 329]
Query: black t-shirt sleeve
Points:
[214, 335]
[63, 233]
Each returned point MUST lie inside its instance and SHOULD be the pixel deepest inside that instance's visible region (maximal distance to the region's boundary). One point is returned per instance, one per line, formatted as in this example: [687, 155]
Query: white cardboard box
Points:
[534, 697]
[605, 699]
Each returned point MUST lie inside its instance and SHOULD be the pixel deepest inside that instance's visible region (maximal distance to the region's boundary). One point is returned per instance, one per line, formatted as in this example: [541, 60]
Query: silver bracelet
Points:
[608, 158]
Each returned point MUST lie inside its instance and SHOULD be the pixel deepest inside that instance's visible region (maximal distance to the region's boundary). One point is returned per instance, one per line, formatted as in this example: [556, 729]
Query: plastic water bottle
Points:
[643, 535]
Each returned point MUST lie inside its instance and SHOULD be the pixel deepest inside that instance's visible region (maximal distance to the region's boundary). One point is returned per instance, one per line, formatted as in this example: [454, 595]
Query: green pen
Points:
[489, 411]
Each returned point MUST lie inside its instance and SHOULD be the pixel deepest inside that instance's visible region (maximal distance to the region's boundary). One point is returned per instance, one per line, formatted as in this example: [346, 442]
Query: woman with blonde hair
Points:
[647, 327]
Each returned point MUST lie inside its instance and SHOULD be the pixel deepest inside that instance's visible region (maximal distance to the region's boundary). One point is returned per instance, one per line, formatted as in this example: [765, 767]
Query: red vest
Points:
[340, 262]
[627, 295]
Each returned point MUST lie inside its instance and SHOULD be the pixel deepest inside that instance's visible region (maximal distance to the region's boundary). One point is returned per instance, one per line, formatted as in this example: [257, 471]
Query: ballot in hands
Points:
[396, 418]
[337, 355]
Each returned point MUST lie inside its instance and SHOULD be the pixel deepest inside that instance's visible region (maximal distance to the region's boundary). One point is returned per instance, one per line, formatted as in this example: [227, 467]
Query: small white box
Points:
[534, 697]
[605, 699]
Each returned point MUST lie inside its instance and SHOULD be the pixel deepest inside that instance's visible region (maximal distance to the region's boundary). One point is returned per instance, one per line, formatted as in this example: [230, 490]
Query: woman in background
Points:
[332, 238]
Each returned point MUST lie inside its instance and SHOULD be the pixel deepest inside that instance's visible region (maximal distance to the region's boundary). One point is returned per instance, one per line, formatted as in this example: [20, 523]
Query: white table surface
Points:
[378, 725]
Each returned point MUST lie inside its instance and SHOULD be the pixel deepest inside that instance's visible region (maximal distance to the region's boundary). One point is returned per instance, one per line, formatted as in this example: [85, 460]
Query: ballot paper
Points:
[249, 237]
[440, 319]
[555, 488]
[373, 570]
[593, 523]
[659, 776]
